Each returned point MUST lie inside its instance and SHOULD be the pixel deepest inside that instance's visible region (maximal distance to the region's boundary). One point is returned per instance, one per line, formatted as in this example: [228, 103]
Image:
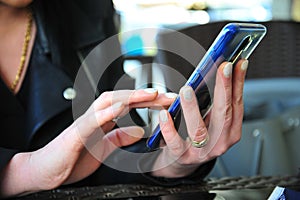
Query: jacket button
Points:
[69, 94]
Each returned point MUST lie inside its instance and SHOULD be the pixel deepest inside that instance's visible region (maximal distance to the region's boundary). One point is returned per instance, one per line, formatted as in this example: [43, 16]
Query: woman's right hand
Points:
[79, 150]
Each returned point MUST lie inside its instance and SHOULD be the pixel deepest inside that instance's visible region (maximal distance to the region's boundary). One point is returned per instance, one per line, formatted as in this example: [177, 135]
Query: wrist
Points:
[16, 177]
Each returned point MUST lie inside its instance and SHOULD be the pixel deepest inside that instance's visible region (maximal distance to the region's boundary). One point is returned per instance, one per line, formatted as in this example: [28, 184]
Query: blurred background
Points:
[136, 14]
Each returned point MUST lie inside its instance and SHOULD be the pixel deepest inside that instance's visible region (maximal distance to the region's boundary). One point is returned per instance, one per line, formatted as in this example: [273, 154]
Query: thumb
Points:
[121, 137]
[124, 136]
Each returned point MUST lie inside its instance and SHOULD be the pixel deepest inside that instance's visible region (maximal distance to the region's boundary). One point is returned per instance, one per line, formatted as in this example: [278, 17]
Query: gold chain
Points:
[24, 52]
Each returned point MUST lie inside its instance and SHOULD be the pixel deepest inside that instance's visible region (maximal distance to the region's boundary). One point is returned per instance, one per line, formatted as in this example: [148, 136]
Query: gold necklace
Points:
[24, 52]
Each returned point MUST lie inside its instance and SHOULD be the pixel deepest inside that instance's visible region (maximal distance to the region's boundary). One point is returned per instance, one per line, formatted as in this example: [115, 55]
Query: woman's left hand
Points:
[213, 135]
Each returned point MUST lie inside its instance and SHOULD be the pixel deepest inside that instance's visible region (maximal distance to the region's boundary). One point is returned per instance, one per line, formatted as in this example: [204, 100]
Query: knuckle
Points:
[238, 101]
[228, 115]
[105, 95]
[176, 147]
[221, 151]
[200, 133]
[187, 162]
[235, 138]
[201, 130]
[101, 99]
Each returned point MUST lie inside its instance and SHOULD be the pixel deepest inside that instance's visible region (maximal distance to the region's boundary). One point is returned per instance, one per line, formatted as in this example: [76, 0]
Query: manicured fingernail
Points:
[187, 93]
[163, 116]
[227, 70]
[150, 90]
[171, 95]
[137, 132]
[117, 105]
[244, 65]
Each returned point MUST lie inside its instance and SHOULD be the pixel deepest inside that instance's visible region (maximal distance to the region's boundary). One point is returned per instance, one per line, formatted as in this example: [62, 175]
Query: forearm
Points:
[16, 178]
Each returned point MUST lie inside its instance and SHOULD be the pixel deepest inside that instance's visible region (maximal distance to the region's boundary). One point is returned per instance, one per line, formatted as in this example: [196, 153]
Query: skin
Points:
[16, 4]
[13, 24]
[66, 160]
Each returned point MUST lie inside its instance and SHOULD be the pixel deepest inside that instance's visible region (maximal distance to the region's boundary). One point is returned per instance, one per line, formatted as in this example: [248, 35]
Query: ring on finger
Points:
[201, 143]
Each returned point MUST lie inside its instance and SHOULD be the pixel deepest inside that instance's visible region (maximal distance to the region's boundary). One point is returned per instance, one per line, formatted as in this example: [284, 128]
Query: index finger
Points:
[163, 100]
[127, 97]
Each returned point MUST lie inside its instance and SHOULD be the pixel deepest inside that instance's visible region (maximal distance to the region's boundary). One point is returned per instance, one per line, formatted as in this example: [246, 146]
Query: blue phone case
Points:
[235, 41]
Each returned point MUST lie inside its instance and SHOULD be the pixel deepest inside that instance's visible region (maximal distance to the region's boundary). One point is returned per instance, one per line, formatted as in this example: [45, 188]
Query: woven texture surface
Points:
[131, 191]
[278, 55]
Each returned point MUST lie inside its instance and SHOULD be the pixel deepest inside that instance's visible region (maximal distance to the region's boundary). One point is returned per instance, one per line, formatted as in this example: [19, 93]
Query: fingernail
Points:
[171, 95]
[244, 65]
[150, 90]
[227, 70]
[187, 93]
[138, 132]
[117, 105]
[163, 116]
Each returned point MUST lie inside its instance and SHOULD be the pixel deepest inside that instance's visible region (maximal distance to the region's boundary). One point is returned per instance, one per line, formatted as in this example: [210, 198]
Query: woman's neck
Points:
[13, 26]
[10, 17]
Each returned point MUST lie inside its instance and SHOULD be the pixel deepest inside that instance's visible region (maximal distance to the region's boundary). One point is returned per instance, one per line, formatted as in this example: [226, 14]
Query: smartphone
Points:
[235, 41]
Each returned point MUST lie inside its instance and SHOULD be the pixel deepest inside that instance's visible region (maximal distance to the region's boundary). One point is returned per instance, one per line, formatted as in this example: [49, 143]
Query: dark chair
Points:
[278, 54]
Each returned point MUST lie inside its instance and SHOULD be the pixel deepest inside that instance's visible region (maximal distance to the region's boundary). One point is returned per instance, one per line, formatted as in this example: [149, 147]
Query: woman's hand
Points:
[79, 150]
[214, 136]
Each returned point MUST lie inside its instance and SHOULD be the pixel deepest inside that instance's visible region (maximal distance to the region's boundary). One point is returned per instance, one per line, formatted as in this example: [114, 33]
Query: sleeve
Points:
[5, 156]
[12, 126]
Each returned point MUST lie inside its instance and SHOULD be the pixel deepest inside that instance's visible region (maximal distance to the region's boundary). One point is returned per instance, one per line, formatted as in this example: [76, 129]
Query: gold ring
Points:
[200, 144]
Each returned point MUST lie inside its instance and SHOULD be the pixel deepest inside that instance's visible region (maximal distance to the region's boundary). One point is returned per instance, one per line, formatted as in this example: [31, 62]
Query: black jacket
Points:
[67, 31]
[64, 28]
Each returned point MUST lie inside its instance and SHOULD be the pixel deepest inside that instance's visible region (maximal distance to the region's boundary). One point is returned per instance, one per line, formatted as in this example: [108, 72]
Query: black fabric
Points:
[6, 155]
[51, 82]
